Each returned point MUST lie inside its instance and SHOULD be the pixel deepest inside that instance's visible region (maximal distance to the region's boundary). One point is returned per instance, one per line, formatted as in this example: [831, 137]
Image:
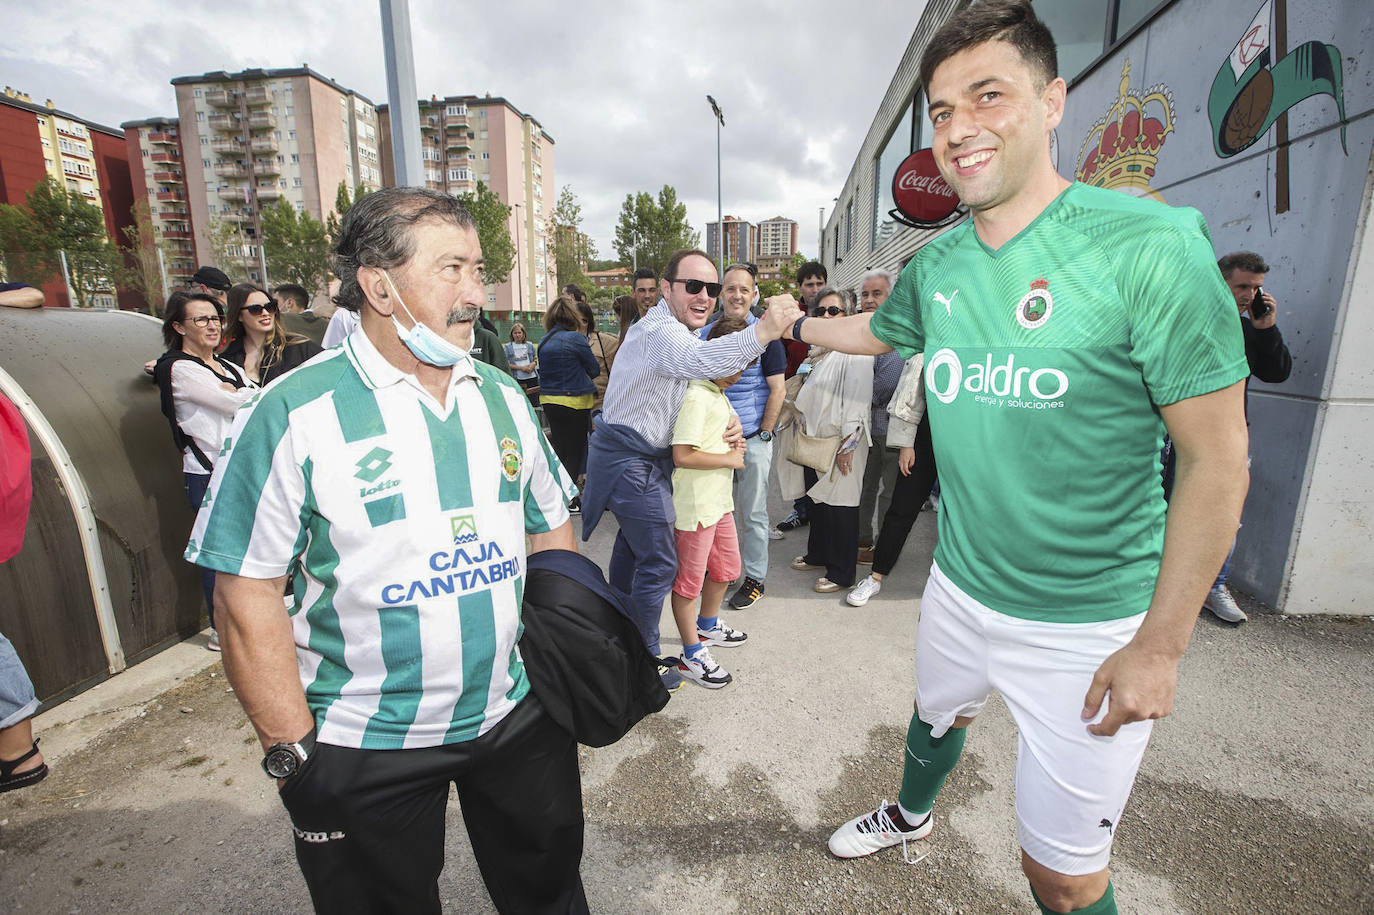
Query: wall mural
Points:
[1122, 148]
[1249, 96]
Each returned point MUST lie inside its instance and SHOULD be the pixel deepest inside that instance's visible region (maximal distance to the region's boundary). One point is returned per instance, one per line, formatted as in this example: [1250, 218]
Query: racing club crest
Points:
[510, 459]
[1034, 308]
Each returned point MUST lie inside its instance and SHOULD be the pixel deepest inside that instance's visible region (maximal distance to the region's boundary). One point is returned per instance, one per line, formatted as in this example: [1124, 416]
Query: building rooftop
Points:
[16, 99]
[222, 76]
[435, 101]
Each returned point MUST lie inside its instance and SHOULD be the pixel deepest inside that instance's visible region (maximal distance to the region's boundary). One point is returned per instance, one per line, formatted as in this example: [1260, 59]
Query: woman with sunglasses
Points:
[834, 402]
[257, 340]
[200, 394]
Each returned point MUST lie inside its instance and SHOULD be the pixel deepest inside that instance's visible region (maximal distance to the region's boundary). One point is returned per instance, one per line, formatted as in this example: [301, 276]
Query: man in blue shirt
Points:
[757, 398]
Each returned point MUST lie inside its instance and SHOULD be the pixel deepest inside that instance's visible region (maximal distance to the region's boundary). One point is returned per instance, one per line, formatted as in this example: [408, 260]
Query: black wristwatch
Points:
[765, 435]
[284, 760]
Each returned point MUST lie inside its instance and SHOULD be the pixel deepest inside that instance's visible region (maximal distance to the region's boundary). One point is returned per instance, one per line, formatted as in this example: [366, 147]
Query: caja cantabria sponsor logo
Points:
[1006, 384]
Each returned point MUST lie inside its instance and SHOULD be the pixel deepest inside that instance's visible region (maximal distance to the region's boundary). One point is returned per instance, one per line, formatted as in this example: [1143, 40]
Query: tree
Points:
[21, 246]
[228, 247]
[492, 218]
[770, 288]
[650, 231]
[141, 270]
[296, 247]
[572, 248]
[609, 264]
[65, 222]
[789, 268]
[342, 204]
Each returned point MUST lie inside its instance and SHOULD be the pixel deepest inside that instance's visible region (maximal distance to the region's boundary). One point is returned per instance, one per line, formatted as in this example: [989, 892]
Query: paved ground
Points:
[1255, 796]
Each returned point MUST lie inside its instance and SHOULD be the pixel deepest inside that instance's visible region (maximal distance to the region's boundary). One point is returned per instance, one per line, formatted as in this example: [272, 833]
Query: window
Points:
[290, 110]
[848, 225]
[197, 93]
[456, 111]
[295, 158]
[486, 155]
[205, 163]
[291, 135]
[281, 160]
[200, 115]
[905, 136]
[298, 182]
[204, 141]
[1085, 30]
[145, 152]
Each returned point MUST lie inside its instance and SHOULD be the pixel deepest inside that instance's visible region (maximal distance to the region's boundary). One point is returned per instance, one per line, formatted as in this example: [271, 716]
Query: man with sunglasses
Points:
[629, 457]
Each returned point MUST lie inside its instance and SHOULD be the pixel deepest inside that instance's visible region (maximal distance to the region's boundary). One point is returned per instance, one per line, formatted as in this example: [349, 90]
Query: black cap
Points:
[212, 277]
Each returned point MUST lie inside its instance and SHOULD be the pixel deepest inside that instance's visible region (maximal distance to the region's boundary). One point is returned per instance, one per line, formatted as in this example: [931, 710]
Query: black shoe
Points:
[750, 590]
[792, 522]
[575, 506]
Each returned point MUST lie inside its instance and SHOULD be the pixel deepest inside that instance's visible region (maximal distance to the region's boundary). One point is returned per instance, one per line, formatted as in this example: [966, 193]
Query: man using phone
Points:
[1269, 361]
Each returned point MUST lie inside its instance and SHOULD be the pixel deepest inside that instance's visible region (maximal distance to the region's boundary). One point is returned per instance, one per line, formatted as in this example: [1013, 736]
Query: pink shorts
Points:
[712, 551]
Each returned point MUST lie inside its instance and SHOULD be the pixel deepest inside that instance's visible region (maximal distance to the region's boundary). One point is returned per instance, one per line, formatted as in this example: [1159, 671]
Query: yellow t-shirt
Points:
[702, 496]
[571, 401]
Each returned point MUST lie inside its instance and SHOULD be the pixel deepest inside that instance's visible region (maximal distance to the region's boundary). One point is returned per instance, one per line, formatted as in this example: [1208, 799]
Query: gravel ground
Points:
[1255, 795]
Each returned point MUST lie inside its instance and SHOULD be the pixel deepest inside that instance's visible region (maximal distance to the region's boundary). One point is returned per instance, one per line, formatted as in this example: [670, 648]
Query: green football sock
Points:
[929, 760]
[1104, 906]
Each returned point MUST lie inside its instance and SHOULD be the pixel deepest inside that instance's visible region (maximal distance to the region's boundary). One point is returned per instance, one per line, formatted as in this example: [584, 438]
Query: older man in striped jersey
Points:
[396, 480]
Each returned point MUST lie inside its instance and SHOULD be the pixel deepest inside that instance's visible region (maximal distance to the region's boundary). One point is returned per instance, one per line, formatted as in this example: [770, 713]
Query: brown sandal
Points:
[11, 780]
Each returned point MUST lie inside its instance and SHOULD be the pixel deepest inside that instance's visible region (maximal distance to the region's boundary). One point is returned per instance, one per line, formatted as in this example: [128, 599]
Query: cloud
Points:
[621, 87]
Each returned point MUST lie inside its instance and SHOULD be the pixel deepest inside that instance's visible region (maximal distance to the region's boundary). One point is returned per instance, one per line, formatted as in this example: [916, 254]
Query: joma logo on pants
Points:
[306, 836]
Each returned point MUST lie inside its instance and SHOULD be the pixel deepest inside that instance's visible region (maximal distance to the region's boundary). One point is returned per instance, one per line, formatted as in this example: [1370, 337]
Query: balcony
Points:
[231, 169]
[227, 145]
[162, 138]
[221, 98]
[167, 177]
[171, 195]
[224, 122]
[459, 161]
[175, 220]
[266, 166]
[233, 192]
[257, 96]
[161, 157]
[455, 122]
[237, 216]
[269, 193]
[175, 233]
[262, 120]
[458, 142]
[265, 143]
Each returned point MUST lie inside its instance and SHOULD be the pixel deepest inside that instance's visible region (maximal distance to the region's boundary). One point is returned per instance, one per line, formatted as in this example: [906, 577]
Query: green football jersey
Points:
[1046, 363]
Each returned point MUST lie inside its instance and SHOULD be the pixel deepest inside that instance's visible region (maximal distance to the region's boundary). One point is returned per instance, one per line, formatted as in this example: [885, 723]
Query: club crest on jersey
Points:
[510, 459]
[1034, 308]
[464, 528]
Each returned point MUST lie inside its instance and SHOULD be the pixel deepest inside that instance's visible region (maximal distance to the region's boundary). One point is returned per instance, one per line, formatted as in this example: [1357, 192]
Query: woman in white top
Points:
[523, 358]
[200, 394]
[834, 401]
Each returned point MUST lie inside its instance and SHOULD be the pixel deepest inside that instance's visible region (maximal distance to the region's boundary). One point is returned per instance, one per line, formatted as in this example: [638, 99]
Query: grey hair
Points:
[377, 233]
[879, 274]
[846, 300]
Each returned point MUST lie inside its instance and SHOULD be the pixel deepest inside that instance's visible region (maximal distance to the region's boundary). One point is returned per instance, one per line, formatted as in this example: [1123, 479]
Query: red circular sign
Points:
[919, 191]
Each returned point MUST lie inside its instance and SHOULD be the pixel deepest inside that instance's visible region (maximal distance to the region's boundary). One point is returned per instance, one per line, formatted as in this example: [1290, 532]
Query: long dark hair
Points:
[233, 325]
[626, 313]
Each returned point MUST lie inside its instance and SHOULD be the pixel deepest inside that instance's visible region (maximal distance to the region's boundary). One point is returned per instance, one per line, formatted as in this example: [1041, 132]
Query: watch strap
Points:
[796, 329]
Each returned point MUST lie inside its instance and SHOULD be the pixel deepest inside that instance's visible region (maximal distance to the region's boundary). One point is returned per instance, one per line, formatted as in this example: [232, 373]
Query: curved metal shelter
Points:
[100, 582]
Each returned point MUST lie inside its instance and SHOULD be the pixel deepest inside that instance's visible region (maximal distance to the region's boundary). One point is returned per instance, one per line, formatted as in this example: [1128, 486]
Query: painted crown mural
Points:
[1122, 148]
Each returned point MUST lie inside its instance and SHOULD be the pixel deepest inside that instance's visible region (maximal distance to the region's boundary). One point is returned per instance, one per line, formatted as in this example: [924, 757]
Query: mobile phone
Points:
[1258, 307]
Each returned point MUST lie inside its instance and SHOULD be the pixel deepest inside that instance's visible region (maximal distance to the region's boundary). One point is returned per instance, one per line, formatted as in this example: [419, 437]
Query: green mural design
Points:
[1248, 95]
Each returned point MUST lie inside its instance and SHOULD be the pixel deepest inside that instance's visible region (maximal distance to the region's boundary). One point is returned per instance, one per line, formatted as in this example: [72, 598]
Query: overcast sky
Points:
[621, 87]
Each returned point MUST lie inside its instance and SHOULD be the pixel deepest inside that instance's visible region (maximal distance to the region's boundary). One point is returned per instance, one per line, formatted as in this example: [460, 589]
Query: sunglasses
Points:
[831, 310]
[204, 320]
[694, 287]
[256, 310]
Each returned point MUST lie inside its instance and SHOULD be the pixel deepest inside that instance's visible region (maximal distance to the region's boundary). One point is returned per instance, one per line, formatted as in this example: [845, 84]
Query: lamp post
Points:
[720, 218]
[519, 274]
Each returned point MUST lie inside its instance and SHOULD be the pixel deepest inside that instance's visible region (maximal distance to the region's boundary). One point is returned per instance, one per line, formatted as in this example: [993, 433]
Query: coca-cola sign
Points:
[922, 197]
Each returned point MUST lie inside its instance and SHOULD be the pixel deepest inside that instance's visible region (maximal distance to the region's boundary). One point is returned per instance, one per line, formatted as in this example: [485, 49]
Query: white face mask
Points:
[423, 343]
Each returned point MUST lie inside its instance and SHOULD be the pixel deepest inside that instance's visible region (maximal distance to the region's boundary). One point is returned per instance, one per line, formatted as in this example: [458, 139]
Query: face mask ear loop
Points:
[400, 301]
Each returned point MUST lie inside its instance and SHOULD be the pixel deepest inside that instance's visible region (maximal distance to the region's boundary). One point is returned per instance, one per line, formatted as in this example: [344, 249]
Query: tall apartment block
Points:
[251, 138]
[739, 240]
[38, 141]
[777, 237]
[158, 175]
[465, 139]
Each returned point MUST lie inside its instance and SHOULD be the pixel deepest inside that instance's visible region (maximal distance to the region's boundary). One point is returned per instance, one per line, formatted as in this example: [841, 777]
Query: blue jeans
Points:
[644, 558]
[17, 701]
[196, 484]
[751, 507]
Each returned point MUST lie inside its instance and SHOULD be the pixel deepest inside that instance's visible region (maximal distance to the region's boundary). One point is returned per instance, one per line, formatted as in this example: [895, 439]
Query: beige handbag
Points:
[814, 451]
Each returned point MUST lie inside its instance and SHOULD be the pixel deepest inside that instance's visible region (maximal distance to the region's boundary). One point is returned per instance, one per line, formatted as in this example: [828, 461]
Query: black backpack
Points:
[162, 374]
[585, 658]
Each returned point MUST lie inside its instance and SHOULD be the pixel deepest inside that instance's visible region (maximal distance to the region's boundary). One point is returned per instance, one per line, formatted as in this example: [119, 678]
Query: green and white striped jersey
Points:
[402, 523]
[1046, 362]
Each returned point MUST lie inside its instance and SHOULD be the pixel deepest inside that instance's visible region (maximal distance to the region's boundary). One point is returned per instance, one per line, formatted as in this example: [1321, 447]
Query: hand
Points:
[906, 459]
[781, 314]
[1270, 319]
[734, 432]
[735, 458]
[844, 462]
[149, 366]
[1139, 685]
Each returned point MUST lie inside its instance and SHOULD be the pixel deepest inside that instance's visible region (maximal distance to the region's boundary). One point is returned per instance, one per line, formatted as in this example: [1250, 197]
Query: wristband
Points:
[796, 329]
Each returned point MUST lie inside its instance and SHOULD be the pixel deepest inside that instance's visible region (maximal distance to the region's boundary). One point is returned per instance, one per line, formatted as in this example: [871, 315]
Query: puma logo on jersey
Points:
[947, 302]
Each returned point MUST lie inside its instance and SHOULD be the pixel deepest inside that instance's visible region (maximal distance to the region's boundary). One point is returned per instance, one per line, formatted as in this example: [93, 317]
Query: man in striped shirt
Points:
[396, 480]
[629, 457]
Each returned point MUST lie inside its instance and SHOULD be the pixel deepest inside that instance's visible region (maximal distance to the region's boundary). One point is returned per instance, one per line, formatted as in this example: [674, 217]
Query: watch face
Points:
[280, 762]
[766, 436]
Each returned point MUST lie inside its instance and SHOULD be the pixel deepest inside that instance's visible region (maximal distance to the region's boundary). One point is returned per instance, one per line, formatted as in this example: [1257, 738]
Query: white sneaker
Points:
[703, 670]
[213, 644]
[1221, 603]
[875, 831]
[721, 635]
[861, 592]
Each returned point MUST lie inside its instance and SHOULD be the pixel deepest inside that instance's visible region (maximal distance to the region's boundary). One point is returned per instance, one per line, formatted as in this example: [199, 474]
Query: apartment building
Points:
[252, 138]
[40, 140]
[740, 238]
[465, 139]
[157, 172]
[777, 237]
